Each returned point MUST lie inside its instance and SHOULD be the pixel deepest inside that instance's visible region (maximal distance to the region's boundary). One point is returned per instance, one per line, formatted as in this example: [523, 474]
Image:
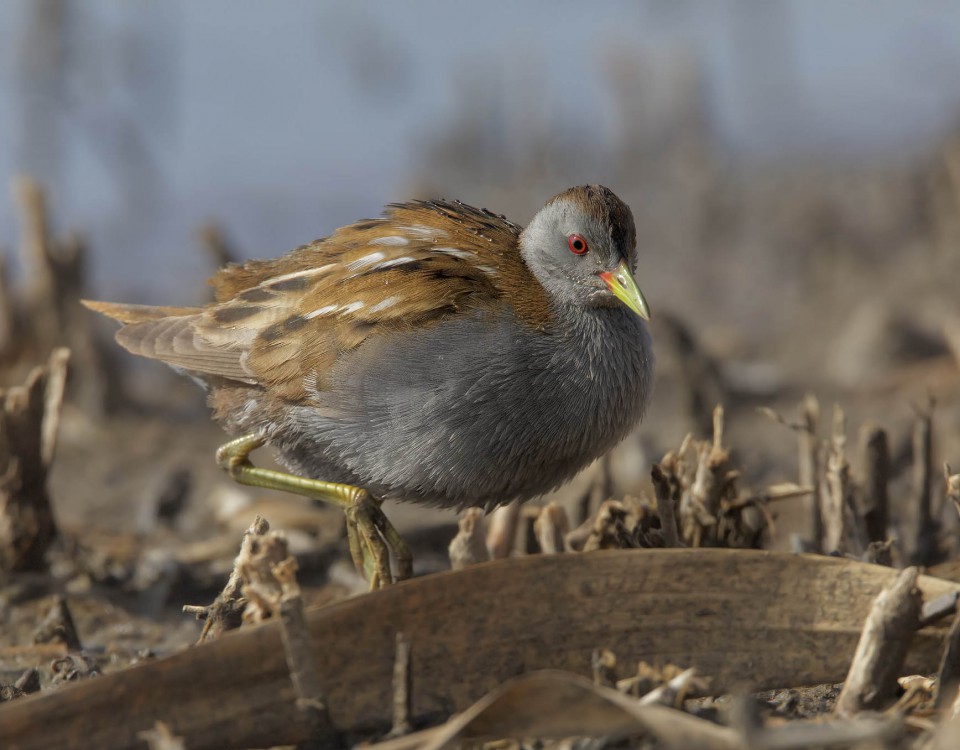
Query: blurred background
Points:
[793, 167]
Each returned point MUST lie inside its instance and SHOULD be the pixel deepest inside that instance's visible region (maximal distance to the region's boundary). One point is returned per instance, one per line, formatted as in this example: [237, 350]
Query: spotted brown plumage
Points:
[425, 260]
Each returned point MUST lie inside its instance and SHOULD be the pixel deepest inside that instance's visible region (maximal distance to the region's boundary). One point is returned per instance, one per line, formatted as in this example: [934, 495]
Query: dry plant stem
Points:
[875, 465]
[10, 342]
[469, 546]
[673, 691]
[58, 626]
[56, 279]
[711, 468]
[926, 550]
[226, 612]
[701, 501]
[666, 507]
[808, 463]
[29, 415]
[952, 485]
[301, 661]
[402, 689]
[550, 528]
[502, 530]
[948, 676]
[886, 638]
[834, 502]
[29, 681]
[36, 248]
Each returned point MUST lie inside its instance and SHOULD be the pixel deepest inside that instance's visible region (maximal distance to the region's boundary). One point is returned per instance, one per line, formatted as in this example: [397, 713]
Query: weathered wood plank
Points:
[739, 616]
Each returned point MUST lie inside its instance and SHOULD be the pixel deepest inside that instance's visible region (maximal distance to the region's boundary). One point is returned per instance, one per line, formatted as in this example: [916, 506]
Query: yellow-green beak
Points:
[621, 283]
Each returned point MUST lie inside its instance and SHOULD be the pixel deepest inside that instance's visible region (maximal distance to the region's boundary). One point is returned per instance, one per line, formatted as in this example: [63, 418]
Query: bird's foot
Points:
[370, 534]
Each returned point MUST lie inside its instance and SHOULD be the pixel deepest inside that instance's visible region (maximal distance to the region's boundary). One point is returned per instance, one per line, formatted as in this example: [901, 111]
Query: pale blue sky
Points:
[286, 119]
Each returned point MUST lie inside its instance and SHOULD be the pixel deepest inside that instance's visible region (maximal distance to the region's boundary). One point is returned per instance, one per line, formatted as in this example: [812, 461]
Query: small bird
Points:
[439, 355]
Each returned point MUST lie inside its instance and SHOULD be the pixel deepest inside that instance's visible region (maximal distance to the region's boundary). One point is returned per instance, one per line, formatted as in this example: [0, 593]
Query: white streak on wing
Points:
[395, 240]
[298, 274]
[384, 304]
[488, 270]
[321, 311]
[423, 233]
[366, 260]
[394, 262]
[455, 252]
[351, 307]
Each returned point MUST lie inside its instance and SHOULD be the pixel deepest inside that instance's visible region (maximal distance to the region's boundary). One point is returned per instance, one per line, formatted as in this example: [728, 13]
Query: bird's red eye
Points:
[577, 245]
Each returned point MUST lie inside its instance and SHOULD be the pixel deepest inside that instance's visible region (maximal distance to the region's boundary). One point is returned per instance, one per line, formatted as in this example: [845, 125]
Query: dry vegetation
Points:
[658, 588]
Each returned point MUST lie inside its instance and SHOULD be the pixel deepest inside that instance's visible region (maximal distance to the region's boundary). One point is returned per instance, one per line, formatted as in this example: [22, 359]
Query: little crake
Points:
[439, 355]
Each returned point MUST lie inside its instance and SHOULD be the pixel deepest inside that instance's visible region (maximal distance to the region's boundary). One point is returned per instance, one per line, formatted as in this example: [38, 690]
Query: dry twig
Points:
[886, 638]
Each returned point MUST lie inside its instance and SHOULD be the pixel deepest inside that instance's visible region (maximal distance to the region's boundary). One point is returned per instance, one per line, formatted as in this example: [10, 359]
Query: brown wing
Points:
[282, 323]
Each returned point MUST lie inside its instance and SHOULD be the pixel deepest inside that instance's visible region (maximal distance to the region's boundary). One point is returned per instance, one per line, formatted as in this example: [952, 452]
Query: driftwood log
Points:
[775, 619]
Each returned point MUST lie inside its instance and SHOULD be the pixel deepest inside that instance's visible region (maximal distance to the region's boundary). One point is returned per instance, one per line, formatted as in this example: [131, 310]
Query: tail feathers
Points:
[170, 334]
[137, 313]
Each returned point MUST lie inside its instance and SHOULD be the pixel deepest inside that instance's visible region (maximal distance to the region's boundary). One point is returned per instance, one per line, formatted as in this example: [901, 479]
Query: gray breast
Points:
[477, 411]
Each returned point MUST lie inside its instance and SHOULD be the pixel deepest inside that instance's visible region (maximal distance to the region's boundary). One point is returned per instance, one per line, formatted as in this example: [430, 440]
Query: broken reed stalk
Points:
[298, 649]
[35, 240]
[58, 626]
[29, 417]
[952, 484]
[886, 637]
[948, 675]
[550, 528]
[926, 548]
[469, 546]
[700, 504]
[808, 465]
[666, 507]
[11, 341]
[51, 314]
[226, 612]
[502, 530]
[402, 689]
[875, 466]
[834, 501]
[713, 458]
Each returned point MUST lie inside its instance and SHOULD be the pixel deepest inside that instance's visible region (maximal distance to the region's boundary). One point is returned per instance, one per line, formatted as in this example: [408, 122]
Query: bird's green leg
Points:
[370, 534]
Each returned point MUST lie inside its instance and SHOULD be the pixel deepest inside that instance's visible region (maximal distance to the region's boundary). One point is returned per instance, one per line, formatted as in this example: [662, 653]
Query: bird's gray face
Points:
[582, 248]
